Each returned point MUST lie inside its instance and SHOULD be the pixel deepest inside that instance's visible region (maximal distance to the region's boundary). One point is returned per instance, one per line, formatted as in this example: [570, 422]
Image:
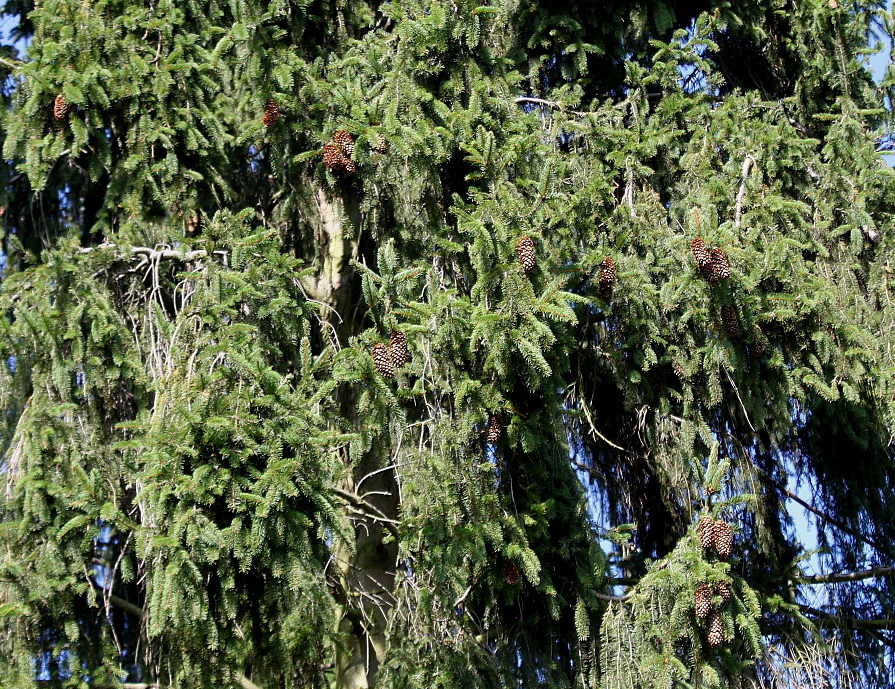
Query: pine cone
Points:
[723, 589]
[700, 253]
[702, 600]
[344, 141]
[723, 538]
[495, 429]
[525, 252]
[761, 342]
[720, 266]
[511, 573]
[332, 157]
[382, 361]
[379, 144]
[60, 108]
[271, 113]
[606, 292]
[607, 271]
[705, 529]
[730, 321]
[397, 345]
[715, 629]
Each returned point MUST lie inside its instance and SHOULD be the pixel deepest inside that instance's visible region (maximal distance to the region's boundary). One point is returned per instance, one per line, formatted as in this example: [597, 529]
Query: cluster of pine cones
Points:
[387, 358]
[714, 266]
[337, 153]
[715, 534]
[712, 263]
[705, 610]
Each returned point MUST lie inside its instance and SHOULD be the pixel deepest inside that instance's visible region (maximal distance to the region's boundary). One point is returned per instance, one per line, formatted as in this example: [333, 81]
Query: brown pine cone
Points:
[715, 629]
[705, 529]
[723, 589]
[271, 113]
[60, 108]
[397, 345]
[382, 360]
[344, 141]
[730, 321]
[511, 573]
[723, 538]
[700, 253]
[702, 600]
[495, 429]
[720, 266]
[525, 252]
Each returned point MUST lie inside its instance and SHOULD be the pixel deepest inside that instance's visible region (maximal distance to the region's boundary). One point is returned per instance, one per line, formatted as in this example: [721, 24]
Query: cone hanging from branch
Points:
[607, 278]
[344, 141]
[730, 321]
[271, 113]
[715, 629]
[700, 253]
[397, 345]
[511, 573]
[335, 160]
[723, 589]
[525, 252]
[723, 537]
[705, 527]
[495, 429]
[702, 600]
[60, 108]
[382, 360]
[720, 268]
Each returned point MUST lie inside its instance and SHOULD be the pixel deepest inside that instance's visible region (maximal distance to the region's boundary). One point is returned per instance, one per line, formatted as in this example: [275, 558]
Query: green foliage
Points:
[207, 481]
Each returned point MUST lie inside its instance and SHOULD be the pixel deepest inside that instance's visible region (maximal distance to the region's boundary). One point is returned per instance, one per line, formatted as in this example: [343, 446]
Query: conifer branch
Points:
[368, 510]
[137, 611]
[550, 104]
[148, 254]
[840, 577]
[828, 619]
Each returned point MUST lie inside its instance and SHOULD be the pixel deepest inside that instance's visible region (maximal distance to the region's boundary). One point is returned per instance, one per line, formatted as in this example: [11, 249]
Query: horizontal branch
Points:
[146, 253]
[368, 510]
[827, 619]
[840, 577]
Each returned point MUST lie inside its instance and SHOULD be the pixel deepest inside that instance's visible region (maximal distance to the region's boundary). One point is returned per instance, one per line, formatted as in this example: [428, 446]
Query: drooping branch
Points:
[138, 612]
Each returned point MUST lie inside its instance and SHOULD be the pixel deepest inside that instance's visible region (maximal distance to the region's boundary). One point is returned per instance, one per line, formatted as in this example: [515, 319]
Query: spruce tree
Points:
[446, 344]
